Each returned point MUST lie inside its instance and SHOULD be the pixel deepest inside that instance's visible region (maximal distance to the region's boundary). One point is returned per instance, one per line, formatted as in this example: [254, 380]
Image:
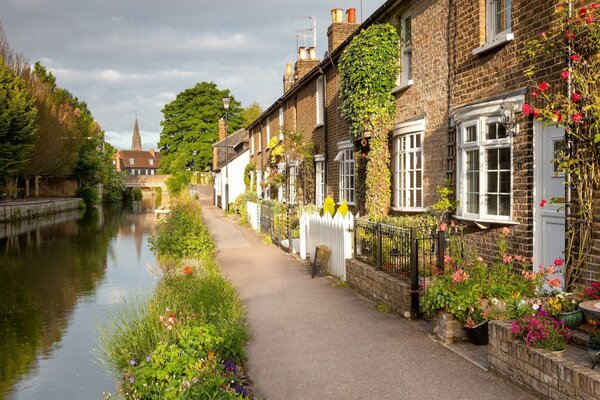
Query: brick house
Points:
[137, 161]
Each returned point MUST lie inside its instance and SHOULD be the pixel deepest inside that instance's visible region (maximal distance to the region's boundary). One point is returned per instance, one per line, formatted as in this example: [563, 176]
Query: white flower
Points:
[535, 307]
[522, 302]
[495, 301]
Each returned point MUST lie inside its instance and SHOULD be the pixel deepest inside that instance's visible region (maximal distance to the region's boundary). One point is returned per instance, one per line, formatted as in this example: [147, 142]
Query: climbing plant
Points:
[249, 171]
[369, 67]
[572, 101]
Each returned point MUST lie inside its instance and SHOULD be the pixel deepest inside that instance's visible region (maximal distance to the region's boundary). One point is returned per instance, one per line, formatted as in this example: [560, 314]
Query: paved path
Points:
[314, 341]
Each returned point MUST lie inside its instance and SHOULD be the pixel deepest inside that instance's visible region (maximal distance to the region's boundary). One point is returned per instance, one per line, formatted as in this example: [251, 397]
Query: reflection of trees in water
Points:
[42, 275]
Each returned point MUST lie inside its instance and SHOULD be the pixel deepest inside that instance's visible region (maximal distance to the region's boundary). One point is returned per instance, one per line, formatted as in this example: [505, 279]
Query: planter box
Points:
[447, 328]
[540, 371]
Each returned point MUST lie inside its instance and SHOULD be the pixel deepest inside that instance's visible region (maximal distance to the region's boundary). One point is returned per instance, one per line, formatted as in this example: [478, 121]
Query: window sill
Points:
[501, 40]
[402, 86]
[485, 221]
[319, 125]
[409, 209]
[348, 202]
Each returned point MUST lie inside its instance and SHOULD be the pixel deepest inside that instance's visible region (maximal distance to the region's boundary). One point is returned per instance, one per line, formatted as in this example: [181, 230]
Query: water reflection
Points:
[56, 282]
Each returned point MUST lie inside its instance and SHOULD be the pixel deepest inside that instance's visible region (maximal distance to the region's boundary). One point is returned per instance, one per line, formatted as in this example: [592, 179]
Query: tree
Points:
[191, 124]
[251, 113]
[17, 123]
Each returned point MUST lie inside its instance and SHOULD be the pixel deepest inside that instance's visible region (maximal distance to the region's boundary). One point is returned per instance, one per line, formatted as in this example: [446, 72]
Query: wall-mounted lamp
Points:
[507, 116]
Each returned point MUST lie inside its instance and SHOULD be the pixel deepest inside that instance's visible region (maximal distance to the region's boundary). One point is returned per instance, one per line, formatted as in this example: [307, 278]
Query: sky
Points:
[128, 56]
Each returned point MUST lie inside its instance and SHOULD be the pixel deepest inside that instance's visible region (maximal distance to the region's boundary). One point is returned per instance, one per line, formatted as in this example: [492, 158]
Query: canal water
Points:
[59, 279]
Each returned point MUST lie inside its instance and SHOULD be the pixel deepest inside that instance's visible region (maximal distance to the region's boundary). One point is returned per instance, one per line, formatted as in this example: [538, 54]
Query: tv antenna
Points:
[303, 32]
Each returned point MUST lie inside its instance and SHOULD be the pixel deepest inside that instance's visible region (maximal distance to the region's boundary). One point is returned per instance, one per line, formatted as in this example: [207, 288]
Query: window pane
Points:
[505, 182]
[492, 159]
[471, 134]
[491, 131]
[504, 205]
[492, 182]
[504, 156]
[492, 204]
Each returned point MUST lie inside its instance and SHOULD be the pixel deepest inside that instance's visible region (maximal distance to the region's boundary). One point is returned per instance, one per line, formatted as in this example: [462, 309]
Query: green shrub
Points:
[136, 194]
[178, 182]
[158, 199]
[89, 195]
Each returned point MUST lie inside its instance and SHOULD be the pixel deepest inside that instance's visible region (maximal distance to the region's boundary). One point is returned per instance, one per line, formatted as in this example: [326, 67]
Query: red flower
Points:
[590, 19]
[575, 97]
[188, 271]
[536, 113]
[554, 282]
[577, 117]
[526, 109]
[595, 6]
[582, 11]
[543, 35]
[575, 57]
[558, 262]
[171, 315]
[557, 116]
[535, 93]
[565, 74]
[569, 36]
[543, 203]
[544, 86]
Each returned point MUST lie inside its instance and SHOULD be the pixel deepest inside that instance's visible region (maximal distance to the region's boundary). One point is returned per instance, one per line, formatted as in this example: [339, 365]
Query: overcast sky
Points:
[123, 56]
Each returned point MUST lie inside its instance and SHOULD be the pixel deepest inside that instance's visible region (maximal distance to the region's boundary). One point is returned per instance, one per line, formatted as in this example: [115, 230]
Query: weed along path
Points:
[310, 340]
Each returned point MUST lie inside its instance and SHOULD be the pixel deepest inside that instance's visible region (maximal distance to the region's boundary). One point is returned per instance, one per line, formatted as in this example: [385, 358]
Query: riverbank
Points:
[35, 208]
[188, 341]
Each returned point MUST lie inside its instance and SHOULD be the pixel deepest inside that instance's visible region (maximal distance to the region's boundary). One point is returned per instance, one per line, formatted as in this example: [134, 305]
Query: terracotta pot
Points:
[351, 13]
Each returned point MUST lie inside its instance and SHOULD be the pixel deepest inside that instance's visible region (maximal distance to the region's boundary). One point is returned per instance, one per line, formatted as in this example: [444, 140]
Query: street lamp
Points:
[226, 101]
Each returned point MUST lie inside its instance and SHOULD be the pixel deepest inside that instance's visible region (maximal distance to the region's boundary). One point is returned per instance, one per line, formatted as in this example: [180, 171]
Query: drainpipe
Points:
[569, 144]
[325, 136]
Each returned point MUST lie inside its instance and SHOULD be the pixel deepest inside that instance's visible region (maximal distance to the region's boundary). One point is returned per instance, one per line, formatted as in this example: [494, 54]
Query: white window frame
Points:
[260, 140]
[151, 161]
[280, 123]
[268, 131]
[407, 133]
[481, 145]
[131, 161]
[347, 173]
[258, 183]
[252, 136]
[320, 184]
[320, 100]
[281, 192]
[293, 170]
[494, 38]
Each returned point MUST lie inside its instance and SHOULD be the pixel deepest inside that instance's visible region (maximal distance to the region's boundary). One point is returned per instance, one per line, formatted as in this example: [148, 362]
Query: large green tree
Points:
[17, 123]
[191, 124]
[251, 113]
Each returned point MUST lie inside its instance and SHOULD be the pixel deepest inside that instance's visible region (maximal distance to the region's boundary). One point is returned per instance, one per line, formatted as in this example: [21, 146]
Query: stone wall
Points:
[379, 286]
[34, 209]
[548, 375]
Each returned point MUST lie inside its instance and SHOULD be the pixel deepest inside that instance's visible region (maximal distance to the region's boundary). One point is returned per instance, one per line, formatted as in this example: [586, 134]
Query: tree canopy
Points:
[17, 123]
[251, 113]
[191, 124]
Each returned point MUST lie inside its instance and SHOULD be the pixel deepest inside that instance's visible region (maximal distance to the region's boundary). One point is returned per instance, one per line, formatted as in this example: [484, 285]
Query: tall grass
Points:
[190, 332]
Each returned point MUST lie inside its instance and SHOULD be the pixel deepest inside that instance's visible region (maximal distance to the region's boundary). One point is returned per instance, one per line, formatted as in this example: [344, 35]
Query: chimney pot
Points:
[288, 69]
[302, 53]
[351, 13]
[312, 53]
[337, 15]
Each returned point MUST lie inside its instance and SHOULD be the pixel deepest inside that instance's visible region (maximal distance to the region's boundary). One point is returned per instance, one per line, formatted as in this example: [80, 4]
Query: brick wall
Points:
[548, 375]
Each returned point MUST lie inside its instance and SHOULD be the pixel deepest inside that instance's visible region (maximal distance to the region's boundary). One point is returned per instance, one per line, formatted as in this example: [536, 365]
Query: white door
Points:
[549, 223]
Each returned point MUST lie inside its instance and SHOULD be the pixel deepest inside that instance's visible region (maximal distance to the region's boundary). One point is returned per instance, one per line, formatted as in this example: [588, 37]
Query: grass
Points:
[383, 308]
[188, 340]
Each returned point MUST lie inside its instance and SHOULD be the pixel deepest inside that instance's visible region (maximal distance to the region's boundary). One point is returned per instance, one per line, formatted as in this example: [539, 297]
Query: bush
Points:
[178, 182]
[89, 195]
[136, 194]
[240, 205]
[158, 199]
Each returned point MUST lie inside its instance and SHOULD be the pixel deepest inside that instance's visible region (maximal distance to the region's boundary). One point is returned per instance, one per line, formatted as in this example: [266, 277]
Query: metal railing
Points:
[410, 253]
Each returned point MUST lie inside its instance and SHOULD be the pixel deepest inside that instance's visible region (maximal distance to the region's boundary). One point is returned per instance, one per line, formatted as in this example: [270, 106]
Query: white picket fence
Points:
[335, 233]
[254, 215]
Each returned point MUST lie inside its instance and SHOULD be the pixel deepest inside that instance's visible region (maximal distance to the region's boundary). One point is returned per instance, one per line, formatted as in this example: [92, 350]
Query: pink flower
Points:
[506, 231]
[459, 276]
[565, 74]
[543, 203]
[480, 259]
[544, 86]
[558, 262]
[590, 19]
[569, 36]
[526, 109]
[443, 227]
[577, 117]
[507, 259]
[575, 57]
[595, 6]
[543, 35]
[535, 93]
[575, 97]
[555, 283]
[550, 270]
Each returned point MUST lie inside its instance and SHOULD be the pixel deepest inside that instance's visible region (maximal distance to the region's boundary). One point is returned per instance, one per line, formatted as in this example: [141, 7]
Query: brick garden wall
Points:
[548, 375]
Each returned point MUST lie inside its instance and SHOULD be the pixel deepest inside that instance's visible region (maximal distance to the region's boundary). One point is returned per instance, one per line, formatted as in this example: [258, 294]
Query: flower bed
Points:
[551, 375]
[188, 340]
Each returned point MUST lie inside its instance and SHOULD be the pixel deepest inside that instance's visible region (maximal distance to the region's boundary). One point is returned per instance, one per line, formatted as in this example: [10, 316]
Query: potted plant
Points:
[593, 346]
[565, 307]
[542, 331]
[476, 325]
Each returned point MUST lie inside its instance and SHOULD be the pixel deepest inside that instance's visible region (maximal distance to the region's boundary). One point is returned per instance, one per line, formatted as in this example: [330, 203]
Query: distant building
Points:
[137, 161]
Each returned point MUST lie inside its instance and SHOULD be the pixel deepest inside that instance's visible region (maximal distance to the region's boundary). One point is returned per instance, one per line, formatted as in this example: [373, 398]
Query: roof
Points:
[141, 159]
[335, 54]
[230, 148]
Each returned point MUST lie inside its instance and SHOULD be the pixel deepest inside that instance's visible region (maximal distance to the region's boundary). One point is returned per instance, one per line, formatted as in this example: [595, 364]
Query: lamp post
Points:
[226, 101]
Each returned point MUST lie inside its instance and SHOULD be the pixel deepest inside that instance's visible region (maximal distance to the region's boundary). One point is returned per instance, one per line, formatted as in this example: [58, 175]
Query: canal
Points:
[60, 277]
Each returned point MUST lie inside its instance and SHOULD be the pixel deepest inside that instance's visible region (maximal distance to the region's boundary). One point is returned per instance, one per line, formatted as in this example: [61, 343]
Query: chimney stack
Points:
[288, 78]
[307, 60]
[221, 129]
[340, 30]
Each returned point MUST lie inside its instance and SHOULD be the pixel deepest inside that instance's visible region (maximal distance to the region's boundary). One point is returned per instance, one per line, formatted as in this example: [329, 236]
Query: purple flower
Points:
[132, 362]
[131, 379]
[147, 358]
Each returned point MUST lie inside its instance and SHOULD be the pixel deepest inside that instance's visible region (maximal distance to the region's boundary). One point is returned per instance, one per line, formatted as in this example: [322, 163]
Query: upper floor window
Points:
[252, 144]
[151, 161]
[131, 161]
[320, 101]
[498, 19]
[406, 49]
[280, 123]
[260, 140]
[268, 131]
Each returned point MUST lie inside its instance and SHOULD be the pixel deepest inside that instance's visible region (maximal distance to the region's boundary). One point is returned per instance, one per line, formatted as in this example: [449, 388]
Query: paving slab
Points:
[311, 340]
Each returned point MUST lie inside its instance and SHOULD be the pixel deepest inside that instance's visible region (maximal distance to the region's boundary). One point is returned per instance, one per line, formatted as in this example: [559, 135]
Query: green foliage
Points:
[178, 182]
[329, 206]
[191, 124]
[249, 171]
[369, 67]
[187, 341]
[136, 194]
[158, 199]
[240, 205]
[112, 180]
[89, 195]
[446, 202]
[251, 113]
[383, 308]
[17, 123]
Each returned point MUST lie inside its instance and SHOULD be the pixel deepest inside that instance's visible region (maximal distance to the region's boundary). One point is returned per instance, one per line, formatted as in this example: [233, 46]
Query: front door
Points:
[549, 224]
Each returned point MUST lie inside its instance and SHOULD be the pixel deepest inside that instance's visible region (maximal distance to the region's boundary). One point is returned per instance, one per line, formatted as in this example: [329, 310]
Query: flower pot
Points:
[591, 311]
[478, 334]
[558, 353]
[572, 319]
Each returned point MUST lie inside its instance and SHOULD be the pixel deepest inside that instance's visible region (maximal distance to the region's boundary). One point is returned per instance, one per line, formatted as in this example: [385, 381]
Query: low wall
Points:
[379, 286]
[545, 373]
[32, 209]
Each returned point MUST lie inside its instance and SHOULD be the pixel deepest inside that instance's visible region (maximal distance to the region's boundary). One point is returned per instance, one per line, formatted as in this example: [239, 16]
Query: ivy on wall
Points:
[368, 71]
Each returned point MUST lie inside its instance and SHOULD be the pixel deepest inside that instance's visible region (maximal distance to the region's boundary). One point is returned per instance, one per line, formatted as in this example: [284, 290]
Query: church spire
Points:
[136, 142]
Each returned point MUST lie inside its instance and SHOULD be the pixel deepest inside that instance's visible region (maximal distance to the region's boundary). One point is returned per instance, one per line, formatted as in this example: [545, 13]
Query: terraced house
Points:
[458, 118]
